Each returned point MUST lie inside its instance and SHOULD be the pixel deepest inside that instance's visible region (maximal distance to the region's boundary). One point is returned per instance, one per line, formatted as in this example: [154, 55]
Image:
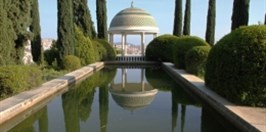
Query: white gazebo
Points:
[132, 21]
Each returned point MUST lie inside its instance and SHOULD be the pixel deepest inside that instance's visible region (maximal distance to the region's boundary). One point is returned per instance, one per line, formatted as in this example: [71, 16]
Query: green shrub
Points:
[110, 53]
[195, 60]
[71, 62]
[84, 48]
[100, 51]
[182, 46]
[51, 54]
[15, 79]
[160, 48]
[236, 66]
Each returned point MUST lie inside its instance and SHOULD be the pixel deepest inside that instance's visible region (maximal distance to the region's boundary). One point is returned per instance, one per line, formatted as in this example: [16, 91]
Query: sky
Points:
[163, 13]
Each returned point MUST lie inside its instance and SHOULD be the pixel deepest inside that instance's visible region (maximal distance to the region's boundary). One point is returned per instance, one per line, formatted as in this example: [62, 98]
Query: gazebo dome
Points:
[132, 20]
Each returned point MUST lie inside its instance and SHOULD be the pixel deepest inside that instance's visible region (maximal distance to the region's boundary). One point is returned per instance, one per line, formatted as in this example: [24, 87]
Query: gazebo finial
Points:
[132, 2]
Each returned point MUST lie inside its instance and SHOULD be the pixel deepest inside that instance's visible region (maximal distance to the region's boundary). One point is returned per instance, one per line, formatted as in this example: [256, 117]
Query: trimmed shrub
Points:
[182, 46]
[160, 48]
[195, 60]
[236, 66]
[71, 62]
[15, 79]
[110, 51]
[84, 48]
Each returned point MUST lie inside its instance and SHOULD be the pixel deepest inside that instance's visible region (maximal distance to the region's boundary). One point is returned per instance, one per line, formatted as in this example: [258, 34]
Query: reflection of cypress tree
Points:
[103, 98]
[174, 109]
[43, 121]
[77, 103]
[27, 125]
[183, 116]
[70, 108]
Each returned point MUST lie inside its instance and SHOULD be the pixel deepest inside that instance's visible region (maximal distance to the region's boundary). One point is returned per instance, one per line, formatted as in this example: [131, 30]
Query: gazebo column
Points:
[142, 44]
[126, 44]
[155, 35]
[123, 44]
[111, 38]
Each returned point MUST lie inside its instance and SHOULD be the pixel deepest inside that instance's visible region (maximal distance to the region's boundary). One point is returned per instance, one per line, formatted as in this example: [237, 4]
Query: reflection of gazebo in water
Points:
[132, 95]
[132, 21]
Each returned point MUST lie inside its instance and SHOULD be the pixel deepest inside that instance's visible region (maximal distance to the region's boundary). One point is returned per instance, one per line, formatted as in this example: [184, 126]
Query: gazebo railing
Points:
[130, 58]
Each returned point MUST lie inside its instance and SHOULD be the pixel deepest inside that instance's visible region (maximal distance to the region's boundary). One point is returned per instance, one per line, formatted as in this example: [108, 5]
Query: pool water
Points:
[143, 99]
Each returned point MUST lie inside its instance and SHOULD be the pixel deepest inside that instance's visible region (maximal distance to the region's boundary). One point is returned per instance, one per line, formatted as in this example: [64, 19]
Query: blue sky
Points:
[163, 12]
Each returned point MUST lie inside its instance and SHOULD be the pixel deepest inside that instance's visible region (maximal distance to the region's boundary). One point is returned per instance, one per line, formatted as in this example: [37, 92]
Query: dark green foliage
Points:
[182, 46]
[236, 66]
[186, 29]
[161, 48]
[71, 62]
[51, 54]
[82, 18]
[110, 51]
[195, 60]
[65, 30]
[84, 48]
[240, 14]
[6, 37]
[178, 18]
[101, 13]
[99, 50]
[36, 44]
[210, 31]
[15, 79]
[19, 15]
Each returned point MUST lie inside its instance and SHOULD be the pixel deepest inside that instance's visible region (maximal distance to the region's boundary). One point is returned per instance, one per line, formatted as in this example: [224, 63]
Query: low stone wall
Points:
[19, 103]
[249, 119]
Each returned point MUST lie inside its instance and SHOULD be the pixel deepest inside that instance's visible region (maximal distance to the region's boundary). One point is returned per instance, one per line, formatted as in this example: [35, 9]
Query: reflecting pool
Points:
[143, 99]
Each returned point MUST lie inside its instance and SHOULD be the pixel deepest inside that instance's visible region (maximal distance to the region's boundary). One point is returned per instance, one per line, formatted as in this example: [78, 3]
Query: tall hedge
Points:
[240, 14]
[65, 29]
[182, 46]
[210, 31]
[161, 48]
[236, 66]
[178, 18]
[101, 13]
[186, 28]
[82, 18]
[35, 28]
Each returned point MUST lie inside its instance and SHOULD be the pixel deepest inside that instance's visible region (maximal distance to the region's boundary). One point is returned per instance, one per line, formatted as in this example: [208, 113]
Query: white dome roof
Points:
[133, 20]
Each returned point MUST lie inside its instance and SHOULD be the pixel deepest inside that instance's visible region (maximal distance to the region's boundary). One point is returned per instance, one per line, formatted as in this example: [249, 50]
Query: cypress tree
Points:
[186, 29]
[7, 36]
[101, 19]
[65, 29]
[82, 18]
[178, 18]
[240, 14]
[19, 14]
[210, 31]
[36, 44]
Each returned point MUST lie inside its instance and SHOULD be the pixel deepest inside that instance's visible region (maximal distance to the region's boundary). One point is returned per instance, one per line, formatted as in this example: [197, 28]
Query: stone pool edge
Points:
[17, 104]
[244, 118]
